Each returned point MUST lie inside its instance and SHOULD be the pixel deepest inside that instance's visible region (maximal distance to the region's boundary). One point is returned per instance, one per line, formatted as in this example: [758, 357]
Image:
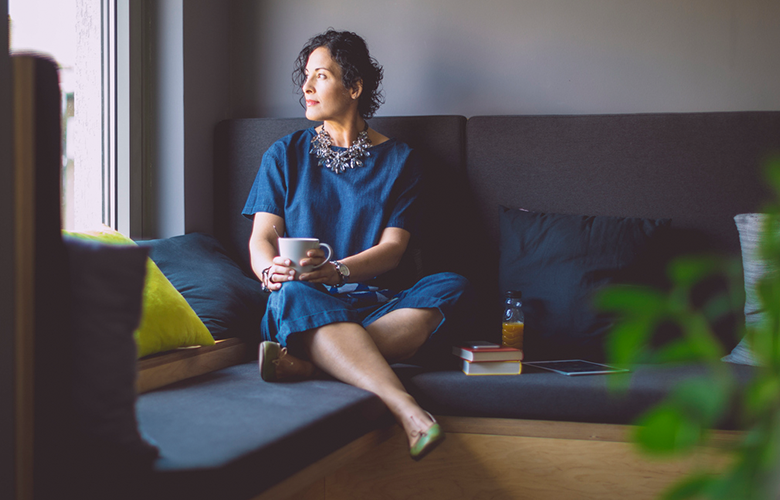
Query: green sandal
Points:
[429, 440]
[268, 353]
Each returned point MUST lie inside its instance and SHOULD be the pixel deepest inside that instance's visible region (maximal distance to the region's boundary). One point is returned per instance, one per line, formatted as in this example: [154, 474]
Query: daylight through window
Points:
[69, 31]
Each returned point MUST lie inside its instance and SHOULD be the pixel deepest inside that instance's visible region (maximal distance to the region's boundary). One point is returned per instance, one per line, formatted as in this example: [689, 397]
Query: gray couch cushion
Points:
[228, 434]
[699, 169]
[542, 395]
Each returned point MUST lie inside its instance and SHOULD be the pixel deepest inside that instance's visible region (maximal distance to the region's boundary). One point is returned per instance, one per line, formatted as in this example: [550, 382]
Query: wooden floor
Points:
[501, 459]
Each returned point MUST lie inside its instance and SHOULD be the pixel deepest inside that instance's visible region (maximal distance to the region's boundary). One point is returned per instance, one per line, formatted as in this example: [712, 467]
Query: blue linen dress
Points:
[349, 211]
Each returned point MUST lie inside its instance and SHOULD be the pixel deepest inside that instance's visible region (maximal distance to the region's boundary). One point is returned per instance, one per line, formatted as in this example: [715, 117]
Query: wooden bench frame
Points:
[162, 369]
[480, 458]
[499, 458]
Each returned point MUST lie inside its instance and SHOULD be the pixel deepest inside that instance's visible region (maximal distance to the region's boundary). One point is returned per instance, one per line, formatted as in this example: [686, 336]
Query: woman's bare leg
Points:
[400, 333]
[348, 353]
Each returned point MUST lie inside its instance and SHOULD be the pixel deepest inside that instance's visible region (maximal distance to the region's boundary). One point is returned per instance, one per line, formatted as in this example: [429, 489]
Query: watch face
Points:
[343, 269]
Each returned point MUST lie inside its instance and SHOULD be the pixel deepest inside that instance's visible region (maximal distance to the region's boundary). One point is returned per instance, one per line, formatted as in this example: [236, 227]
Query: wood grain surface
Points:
[483, 466]
[499, 459]
[166, 368]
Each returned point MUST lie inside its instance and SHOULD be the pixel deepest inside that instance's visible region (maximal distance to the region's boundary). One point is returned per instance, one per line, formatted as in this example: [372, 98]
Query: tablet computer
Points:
[574, 367]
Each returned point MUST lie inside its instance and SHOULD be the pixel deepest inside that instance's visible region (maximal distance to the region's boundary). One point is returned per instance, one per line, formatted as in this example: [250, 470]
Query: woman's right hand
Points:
[280, 272]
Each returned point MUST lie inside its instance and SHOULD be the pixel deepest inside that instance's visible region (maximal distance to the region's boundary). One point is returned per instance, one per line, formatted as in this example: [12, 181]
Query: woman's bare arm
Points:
[377, 260]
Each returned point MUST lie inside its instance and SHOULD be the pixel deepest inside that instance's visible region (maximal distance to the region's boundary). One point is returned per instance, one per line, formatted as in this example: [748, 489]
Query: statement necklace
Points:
[339, 161]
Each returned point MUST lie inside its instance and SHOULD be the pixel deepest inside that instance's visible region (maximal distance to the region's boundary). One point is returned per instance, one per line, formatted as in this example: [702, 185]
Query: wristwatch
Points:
[343, 271]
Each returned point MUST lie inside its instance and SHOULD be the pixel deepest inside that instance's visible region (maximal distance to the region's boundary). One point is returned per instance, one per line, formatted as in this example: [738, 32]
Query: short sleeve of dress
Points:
[270, 185]
[405, 196]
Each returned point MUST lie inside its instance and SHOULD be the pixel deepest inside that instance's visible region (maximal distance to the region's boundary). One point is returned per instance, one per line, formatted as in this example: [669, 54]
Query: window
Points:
[78, 35]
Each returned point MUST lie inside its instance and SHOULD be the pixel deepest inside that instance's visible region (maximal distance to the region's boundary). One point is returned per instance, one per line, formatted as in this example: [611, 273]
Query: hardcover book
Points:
[488, 354]
[492, 368]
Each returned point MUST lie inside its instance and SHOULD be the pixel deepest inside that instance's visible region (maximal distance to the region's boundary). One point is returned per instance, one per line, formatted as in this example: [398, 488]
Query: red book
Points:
[488, 354]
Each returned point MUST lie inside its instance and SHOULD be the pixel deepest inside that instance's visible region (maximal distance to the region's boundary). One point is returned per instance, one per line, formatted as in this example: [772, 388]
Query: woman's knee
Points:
[295, 289]
[445, 285]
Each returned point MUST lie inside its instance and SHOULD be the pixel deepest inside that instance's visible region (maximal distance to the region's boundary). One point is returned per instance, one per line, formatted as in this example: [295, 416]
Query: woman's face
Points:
[326, 96]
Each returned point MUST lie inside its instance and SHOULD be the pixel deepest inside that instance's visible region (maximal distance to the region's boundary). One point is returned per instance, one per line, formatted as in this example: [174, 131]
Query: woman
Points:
[354, 188]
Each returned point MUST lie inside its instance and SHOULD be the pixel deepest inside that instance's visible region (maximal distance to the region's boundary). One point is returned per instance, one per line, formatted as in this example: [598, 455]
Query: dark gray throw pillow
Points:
[558, 261]
[106, 293]
[229, 301]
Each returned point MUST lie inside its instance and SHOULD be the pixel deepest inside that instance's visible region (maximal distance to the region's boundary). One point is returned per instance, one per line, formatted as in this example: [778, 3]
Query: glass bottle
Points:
[513, 320]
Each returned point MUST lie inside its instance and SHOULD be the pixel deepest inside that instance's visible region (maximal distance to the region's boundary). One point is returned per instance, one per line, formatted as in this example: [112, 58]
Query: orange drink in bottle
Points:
[512, 334]
[513, 320]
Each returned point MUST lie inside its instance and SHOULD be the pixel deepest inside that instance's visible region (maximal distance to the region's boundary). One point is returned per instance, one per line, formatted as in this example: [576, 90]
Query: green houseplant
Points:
[681, 423]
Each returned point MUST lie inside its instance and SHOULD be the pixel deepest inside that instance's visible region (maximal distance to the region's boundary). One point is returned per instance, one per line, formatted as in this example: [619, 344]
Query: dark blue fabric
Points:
[558, 262]
[229, 301]
[106, 290]
[349, 211]
[299, 306]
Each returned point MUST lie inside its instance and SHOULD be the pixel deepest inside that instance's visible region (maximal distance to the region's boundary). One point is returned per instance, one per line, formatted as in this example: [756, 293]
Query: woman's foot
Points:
[422, 432]
[277, 364]
[427, 440]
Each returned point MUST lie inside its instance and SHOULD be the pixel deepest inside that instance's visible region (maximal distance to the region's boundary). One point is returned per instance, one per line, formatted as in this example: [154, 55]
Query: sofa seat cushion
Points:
[228, 434]
[542, 395]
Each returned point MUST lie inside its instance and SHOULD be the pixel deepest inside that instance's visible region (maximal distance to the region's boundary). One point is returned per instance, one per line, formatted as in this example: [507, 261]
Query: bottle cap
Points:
[515, 294]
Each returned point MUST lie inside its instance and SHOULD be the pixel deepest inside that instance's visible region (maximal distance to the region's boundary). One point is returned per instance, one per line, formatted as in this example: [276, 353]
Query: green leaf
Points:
[762, 395]
[677, 351]
[719, 306]
[697, 345]
[700, 337]
[631, 300]
[760, 339]
[739, 482]
[689, 270]
[693, 486]
[702, 399]
[665, 430]
[772, 173]
[768, 290]
[627, 341]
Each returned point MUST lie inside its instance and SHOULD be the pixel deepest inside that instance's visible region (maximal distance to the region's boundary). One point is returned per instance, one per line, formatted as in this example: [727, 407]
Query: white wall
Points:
[189, 94]
[206, 102]
[524, 56]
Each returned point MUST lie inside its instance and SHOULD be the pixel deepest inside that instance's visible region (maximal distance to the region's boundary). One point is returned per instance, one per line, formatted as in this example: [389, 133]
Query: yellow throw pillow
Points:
[167, 320]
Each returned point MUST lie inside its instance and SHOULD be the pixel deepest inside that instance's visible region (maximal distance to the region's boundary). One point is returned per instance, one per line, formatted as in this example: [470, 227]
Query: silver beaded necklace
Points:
[339, 161]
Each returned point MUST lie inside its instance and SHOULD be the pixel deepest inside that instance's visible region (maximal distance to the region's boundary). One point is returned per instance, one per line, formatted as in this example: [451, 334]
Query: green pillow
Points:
[167, 320]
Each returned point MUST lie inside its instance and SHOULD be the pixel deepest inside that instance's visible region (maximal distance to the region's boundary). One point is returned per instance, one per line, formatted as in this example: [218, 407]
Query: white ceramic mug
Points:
[296, 249]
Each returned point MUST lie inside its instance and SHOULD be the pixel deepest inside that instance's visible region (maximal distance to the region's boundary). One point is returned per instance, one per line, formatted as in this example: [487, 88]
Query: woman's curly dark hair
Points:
[349, 50]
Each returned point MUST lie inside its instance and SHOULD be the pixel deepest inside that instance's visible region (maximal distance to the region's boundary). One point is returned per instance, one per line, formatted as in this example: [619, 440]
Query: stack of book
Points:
[489, 360]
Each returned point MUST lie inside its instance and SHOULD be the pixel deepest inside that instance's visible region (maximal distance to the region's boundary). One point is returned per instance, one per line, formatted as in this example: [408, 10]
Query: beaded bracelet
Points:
[264, 280]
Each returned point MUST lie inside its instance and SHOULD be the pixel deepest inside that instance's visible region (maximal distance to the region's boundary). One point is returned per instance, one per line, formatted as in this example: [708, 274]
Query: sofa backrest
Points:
[440, 140]
[699, 169]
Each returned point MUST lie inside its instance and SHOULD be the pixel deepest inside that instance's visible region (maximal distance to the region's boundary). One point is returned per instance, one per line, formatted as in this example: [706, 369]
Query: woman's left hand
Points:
[327, 274]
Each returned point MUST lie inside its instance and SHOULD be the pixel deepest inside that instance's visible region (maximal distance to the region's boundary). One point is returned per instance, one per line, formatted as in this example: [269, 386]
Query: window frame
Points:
[129, 165]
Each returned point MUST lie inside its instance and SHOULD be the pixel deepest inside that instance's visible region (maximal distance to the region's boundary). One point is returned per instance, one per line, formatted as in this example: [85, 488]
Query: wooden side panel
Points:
[534, 460]
[310, 483]
[469, 466]
[24, 239]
